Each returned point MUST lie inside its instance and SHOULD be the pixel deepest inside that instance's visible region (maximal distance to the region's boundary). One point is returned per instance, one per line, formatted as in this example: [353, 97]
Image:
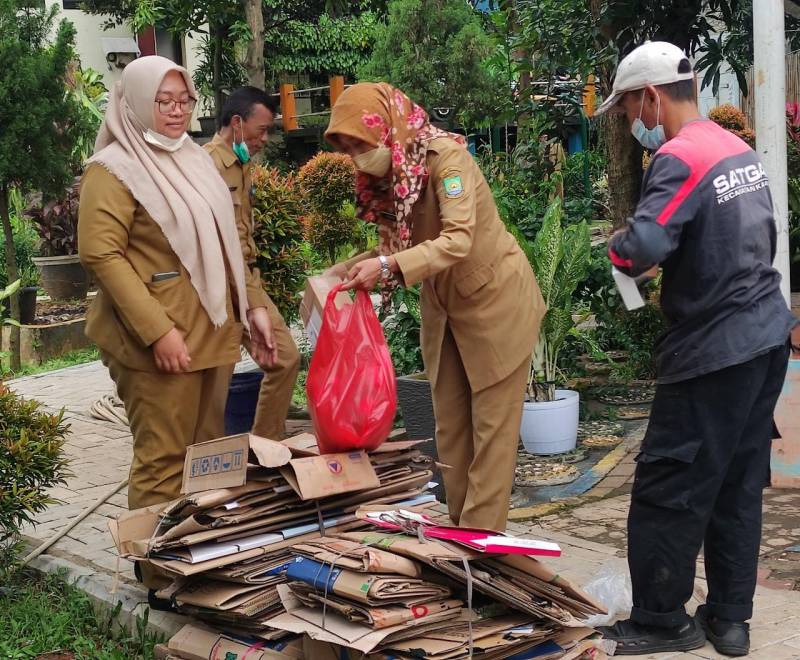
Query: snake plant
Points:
[560, 257]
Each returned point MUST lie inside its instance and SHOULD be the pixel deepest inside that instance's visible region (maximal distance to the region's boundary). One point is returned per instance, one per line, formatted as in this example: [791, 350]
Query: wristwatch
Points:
[386, 272]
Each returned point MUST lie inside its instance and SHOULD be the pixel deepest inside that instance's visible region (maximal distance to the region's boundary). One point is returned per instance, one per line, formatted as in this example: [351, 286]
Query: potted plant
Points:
[559, 257]
[5, 297]
[401, 325]
[63, 276]
[208, 121]
[29, 288]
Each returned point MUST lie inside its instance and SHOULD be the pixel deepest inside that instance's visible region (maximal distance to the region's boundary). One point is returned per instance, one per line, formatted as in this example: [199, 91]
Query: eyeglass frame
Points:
[176, 104]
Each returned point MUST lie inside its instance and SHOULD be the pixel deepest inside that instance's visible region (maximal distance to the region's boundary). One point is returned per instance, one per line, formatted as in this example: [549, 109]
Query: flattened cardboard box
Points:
[315, 477]
[222, 463]
[196, 642]
[312, 306]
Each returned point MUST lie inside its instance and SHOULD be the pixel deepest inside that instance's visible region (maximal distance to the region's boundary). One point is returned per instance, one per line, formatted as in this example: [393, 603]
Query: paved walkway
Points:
[592, 536]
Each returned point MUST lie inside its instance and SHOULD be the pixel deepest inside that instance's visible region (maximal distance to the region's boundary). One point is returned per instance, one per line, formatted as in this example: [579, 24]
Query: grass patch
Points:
[44, 616]
[81, 356]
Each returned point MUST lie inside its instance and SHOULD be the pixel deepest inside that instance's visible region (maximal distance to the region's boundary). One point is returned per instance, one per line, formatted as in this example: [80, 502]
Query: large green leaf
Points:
[574, 263]
[548, 250]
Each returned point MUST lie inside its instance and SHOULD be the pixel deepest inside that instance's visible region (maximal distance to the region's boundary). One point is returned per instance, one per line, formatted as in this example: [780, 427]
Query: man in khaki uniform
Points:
[247, 117]
[481, 306]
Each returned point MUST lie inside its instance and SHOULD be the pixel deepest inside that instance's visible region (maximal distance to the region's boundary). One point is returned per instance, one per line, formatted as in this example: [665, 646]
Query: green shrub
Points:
[328, 185]
[733, 120]
[401, 325]
[328, 180]
[25, 247]
[635, 332]
[31, 461]
[278, 234]
[729, 117]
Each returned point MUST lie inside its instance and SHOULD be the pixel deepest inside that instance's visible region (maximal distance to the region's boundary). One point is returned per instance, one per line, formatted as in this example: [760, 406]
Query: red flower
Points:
[398, 157]
[417, 170]
[372, 120]
[416, 119]
[401, 190]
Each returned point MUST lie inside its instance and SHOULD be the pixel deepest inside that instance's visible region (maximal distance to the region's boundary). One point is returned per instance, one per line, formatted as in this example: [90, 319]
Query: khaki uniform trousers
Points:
[277, 388]
[477, 433]
[167, 413]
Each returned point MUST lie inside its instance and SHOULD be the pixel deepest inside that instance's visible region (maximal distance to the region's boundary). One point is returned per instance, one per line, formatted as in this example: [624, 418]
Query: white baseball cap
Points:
[652, 63]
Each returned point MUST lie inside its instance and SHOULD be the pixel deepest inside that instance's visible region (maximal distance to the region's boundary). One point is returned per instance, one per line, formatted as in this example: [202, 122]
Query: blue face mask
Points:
[240, 148]
[649, 138]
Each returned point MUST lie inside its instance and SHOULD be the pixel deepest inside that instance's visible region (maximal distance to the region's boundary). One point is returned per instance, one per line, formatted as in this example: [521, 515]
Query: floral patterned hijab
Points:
[377, 113]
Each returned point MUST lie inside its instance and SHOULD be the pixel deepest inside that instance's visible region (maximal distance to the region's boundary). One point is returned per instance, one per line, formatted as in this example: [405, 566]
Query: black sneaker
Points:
[728, 637]
[636, 639]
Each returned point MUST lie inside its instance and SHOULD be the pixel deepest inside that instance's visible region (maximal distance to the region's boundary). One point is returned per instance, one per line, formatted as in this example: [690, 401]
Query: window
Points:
[71, 4]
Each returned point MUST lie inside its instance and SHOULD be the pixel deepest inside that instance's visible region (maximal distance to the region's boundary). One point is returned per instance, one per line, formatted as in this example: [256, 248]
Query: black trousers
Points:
[699, 479]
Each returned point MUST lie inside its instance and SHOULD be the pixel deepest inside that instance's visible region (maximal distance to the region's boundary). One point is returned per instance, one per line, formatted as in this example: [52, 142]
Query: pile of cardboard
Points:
[280, 552]
[228, 548]
[400, 592]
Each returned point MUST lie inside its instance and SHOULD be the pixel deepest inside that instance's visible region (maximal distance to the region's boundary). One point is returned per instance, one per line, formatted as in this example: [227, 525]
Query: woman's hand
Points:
[263, 348]
[365, 274]
[171, 353]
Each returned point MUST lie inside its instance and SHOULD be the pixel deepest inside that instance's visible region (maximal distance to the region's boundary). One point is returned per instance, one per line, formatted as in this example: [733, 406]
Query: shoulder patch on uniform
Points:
[453, 186]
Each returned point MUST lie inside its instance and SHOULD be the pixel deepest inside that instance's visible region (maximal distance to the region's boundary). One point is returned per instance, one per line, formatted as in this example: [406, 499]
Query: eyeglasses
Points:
[168, 105]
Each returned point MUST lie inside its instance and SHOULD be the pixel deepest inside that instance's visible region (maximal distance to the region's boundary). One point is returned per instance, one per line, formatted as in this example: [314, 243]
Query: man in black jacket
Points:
[706, 217]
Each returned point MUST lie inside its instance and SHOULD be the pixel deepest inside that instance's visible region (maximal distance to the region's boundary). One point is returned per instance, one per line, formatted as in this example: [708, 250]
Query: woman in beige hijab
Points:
[481, 305]
[157, 229]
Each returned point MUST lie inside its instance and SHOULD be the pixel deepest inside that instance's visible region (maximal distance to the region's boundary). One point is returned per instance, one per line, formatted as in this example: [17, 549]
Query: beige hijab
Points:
[181, 190]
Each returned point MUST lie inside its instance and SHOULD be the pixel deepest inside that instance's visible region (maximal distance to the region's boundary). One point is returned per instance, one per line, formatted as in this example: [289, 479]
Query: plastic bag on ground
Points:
[612, 587]
[351, 387]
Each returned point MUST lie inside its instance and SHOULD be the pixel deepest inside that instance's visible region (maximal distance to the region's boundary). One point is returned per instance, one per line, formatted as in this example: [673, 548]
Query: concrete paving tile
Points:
[775, 652]
[774, 633]
[613, 481]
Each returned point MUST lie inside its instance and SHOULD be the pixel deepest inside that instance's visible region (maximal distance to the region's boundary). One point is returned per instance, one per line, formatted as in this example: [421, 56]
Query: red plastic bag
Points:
[351, 388]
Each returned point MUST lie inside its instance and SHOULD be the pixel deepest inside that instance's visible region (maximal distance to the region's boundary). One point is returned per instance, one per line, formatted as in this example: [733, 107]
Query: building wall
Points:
[728, 92]
[88, 45]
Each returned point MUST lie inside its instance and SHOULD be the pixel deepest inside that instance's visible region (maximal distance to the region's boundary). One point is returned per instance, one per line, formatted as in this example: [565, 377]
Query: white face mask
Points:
[375, 161]
[649, 138]
[164, 142]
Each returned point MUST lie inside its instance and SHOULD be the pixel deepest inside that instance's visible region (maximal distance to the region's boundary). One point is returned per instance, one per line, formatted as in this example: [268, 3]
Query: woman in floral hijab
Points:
[481, 306]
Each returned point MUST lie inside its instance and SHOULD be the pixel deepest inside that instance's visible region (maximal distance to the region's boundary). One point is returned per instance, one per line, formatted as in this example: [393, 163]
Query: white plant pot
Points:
[551, 427]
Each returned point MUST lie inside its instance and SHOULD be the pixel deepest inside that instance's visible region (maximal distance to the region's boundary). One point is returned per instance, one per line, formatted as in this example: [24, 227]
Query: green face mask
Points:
[240, 148]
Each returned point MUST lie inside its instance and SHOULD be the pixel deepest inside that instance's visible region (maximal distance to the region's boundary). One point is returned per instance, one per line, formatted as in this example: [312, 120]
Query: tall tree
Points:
[434, 51]
[558, 32]
[225, 25]
[41, 121]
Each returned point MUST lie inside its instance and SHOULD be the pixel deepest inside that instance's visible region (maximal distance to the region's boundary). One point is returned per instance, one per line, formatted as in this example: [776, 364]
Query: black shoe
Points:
[160, 604]
[635, 639]
[137, 572]
[728, 637]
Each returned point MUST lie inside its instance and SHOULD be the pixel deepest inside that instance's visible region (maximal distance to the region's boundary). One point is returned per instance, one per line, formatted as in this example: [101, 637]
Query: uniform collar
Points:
[225, 150]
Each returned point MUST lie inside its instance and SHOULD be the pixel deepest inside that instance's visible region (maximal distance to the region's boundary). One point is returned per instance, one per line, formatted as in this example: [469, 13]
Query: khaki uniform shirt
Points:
[124, 247]
[239, 181]
[476, 279]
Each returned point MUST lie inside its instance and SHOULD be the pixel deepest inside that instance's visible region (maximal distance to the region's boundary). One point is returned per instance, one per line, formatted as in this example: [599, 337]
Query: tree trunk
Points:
[624, 167]
[218, 37]
[13, 275]
[254, 59]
